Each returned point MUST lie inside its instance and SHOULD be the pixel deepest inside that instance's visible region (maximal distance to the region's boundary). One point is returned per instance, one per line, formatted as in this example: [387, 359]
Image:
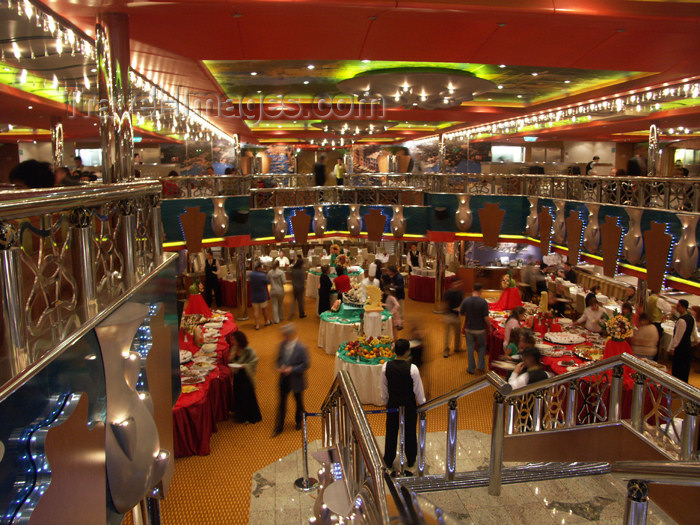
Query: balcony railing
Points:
[66, 254]
[672, 194]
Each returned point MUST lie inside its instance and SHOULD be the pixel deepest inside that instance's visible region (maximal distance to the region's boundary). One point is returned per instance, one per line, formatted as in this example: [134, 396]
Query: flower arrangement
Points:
[341, 260]
[335, 248]
[619, 327]
[336, 306]
[508, 281]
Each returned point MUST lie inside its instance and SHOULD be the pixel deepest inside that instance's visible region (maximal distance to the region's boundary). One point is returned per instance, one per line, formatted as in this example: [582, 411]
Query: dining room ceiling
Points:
[554, 51]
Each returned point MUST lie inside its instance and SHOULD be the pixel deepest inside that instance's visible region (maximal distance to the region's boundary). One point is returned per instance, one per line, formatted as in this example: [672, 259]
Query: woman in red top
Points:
[342, 281]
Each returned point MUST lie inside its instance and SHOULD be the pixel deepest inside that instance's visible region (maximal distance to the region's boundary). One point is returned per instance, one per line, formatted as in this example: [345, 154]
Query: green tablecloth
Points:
[348, 315]
[350, 274]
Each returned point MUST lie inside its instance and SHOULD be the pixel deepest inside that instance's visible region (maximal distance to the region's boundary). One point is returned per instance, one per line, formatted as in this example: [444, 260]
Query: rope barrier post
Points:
[305, 483]
[402, 440]
[421, 443]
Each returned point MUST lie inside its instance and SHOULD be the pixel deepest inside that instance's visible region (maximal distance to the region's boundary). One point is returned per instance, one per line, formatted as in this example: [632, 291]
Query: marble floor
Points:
[593, 499]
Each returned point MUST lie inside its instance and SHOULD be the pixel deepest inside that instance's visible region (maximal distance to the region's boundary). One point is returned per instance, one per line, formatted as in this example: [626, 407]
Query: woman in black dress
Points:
[243, 363]
[324, 290]
[211, 279]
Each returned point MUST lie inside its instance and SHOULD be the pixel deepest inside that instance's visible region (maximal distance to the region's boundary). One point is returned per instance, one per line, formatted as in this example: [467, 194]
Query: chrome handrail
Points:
[685, 473]
[491, 378]
[19, 204]
[665, 379]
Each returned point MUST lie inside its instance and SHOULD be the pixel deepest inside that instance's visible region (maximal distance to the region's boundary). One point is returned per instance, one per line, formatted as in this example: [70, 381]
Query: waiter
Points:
[414, 258]
[401, 387]
[211, 279]
[683, 338]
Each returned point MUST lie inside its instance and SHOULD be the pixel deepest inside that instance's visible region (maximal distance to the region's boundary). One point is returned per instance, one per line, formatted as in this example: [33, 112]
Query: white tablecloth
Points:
[331, 335]
[313, 279]
[367, 380]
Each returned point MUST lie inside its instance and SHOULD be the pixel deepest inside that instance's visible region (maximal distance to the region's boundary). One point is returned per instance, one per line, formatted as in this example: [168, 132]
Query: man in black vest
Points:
[683, 338]
[401, 386]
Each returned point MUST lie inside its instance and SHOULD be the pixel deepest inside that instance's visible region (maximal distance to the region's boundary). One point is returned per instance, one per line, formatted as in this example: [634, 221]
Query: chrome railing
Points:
[640, 474]
[368, 195]
[450, 398]
[65, 255]
[192, 187]
[664, 410]
[673, 194]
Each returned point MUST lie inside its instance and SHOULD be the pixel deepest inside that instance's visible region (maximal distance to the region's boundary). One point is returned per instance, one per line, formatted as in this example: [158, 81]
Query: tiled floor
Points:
[592, 499]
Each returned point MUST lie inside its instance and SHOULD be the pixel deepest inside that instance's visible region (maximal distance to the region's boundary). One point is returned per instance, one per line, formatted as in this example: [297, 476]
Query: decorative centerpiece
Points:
[619, 330]
[336, 306]
[374, 299]
[368, 350]
[510, 297]
[355, 297]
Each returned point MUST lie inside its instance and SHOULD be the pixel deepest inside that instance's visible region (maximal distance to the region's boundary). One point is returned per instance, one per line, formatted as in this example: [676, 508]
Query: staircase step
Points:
[518, 474]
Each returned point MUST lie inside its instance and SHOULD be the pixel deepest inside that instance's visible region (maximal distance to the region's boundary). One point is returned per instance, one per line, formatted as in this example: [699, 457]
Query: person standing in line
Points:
[684, 337]
[325, 285]
[243, 362]
[392, 306]
[590, 167]
[477, 324]
[342, 281]
[401, 387]
[320, 171]
[339, 171]
[211, 279]
[298, 287]
[277, 281]
[292, 363]
[398, 283]
[258, 294]
[453, 300]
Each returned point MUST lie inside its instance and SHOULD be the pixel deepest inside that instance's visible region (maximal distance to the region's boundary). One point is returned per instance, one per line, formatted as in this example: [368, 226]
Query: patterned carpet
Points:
[216, 489]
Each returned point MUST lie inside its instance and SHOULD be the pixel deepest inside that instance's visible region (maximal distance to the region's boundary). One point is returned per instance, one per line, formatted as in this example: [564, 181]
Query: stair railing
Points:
[588, 396]
[639, 474]
[450, 399]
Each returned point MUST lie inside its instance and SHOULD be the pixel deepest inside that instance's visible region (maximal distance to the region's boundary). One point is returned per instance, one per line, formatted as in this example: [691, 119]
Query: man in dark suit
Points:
[292, 363]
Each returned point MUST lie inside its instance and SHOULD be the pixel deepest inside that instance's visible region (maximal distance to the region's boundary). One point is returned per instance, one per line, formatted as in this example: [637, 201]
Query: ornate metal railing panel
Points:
[65, 255]
[665, 410]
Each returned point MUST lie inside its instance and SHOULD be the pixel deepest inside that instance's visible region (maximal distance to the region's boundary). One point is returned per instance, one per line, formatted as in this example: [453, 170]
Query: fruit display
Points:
[368, 350]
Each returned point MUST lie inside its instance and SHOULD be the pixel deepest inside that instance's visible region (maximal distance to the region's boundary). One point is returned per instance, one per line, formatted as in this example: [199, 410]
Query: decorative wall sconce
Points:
[354, 221]
[559, 228]
[633, 242]
[591, 234]
[463, 218]
[320, 221]
[279, 225]
[398, 223]
[533, 220]
[219, 218]
[685, 254]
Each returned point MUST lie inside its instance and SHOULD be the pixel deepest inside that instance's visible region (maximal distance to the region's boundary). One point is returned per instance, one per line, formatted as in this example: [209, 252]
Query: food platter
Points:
[208, 347]
[204, 359]
[185, 356]
[191, 380]
[589, 353]
[188, 389]
[203, 366]
[564, 338]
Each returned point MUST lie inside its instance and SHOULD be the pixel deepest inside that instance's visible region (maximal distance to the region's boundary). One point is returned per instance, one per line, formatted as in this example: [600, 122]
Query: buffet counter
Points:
[341, 326]
[313, 277]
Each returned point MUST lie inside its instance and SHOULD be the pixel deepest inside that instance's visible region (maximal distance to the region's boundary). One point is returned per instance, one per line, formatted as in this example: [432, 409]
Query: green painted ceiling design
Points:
[522, 85]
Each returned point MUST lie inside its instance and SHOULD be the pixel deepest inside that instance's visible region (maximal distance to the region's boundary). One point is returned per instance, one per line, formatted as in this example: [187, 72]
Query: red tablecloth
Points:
[195, 415]
[197, 305]
[509, 299]
[229, 295]
[422, 289]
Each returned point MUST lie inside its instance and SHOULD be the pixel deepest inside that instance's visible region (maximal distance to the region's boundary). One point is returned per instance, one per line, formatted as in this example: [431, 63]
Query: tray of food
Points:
[185, 356]
[564, 338]
[589, 353]
[191, 380]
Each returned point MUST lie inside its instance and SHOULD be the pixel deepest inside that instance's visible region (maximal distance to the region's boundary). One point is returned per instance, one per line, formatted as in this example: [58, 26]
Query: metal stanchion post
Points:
[615, 394]
[422, 434]
[305, 483]
[636, 504]
[638, 402]
[497, 438]
[402, 440]
[153, 508]
[451, 455]
[689, 434]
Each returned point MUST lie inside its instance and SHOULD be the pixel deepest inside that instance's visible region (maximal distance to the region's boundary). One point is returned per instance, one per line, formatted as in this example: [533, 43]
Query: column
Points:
[241, 283]
[116, 132]
[57, 142]
[439, 276]
[653, 157]
[441, 154]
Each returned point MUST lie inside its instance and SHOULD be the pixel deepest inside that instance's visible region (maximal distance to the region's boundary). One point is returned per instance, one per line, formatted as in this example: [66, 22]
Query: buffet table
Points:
[195, 414]
[422, 288]
[313, 277]
[341, 326]
[366, 378]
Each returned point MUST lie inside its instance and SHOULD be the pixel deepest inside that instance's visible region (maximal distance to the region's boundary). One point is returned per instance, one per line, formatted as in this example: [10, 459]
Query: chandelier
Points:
[425, 88]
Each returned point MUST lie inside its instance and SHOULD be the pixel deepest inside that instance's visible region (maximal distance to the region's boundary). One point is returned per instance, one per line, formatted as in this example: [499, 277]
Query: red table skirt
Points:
[422, 289]
[195, 415]
[229, 295]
